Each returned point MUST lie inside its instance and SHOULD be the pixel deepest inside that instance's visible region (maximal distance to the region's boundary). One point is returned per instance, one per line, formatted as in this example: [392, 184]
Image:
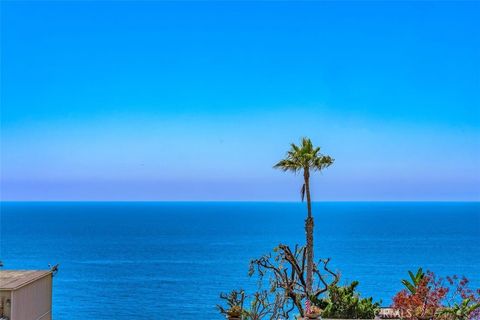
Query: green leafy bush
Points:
[343, 302]
[461, 311]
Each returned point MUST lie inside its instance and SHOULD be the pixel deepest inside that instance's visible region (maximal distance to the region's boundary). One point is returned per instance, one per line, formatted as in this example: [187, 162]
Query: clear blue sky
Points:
[197, 100]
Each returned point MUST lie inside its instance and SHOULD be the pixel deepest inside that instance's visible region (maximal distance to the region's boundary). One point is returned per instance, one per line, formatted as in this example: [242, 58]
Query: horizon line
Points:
[238, 201]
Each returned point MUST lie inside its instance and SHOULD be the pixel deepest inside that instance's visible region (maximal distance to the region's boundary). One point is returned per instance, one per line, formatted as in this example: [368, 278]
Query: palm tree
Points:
[306, 158]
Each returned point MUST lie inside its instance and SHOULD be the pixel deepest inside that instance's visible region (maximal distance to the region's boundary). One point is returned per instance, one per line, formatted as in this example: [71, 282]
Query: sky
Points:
[195, 101]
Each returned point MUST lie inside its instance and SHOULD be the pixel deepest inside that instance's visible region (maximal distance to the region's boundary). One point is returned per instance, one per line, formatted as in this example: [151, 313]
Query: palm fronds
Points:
[304, 157]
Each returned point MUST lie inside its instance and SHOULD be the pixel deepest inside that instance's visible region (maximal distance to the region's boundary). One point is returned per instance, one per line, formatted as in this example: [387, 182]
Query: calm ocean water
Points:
[163, 260]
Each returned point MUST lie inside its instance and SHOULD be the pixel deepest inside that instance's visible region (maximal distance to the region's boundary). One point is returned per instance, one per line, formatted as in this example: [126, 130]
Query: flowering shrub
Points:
[461, 289]
[424, 301]
[429, 297]
[463, 303]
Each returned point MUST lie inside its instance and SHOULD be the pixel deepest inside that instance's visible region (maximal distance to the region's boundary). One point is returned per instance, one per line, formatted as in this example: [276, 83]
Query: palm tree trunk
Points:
[309, 232]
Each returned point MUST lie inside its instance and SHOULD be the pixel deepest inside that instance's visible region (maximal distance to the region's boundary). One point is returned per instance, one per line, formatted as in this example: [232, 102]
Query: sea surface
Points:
[171, 260]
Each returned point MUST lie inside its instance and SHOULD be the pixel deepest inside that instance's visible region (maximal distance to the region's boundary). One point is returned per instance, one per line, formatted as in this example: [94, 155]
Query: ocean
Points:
[170, 260]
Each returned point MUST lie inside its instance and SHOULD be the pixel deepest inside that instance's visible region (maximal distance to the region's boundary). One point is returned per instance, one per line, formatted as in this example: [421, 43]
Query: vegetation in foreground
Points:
[283, 291]
[300, 288]
[427, 296]
[424, 297]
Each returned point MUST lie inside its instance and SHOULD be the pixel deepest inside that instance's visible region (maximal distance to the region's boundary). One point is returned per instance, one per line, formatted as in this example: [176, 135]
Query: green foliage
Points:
[305, 156]
[416, 278]
[460, 311]
[343, 302]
